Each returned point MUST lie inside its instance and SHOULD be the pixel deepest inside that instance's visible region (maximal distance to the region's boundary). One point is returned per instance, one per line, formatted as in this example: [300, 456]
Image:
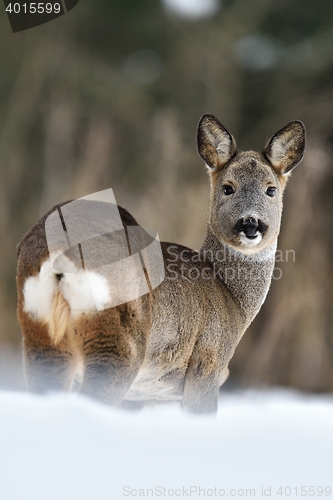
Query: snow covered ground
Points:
[275, 444]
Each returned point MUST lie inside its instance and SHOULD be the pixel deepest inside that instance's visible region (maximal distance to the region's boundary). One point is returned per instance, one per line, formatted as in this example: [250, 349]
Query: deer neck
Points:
[246, 277]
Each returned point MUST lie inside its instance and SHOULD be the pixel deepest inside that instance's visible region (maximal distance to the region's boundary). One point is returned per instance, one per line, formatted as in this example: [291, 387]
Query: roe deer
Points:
[175, 342]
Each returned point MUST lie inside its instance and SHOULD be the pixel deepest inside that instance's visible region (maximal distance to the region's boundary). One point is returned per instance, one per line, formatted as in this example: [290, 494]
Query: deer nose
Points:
[248, 226]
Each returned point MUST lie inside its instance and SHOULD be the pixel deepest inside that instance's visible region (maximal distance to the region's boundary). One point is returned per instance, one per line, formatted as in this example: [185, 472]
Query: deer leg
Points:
[47, 367]
[202, 382]
[110, 366]
[113, 351]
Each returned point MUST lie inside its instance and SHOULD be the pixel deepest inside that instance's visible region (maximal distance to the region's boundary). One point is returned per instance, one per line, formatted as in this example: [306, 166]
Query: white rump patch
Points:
[38, 292]
[77, 285]
[76, 288]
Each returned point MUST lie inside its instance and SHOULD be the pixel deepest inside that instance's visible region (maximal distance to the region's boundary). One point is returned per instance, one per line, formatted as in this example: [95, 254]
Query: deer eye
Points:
[271, 191]
[227, 189]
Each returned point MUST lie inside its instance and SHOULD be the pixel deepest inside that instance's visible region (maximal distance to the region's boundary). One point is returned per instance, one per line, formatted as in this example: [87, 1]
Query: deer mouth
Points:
[250, 230]
[250, 240]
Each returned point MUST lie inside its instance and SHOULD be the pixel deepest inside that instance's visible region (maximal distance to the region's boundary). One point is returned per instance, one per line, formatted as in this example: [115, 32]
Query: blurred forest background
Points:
[109, 95]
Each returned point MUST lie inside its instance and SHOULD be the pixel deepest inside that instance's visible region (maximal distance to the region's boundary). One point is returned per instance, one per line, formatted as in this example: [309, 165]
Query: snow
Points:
[60, 447]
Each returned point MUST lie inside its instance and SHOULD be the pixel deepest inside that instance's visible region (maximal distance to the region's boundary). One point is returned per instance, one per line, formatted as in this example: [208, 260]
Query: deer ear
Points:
[286, 148]
[215, 145]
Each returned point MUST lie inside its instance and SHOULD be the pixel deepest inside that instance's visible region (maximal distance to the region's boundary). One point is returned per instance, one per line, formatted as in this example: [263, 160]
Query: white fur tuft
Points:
[77, 290]
[38, 292]
[279, 152]
[250, 242]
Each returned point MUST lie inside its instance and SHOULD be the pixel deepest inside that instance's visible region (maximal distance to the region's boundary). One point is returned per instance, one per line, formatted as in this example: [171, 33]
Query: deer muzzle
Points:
[250, 226]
